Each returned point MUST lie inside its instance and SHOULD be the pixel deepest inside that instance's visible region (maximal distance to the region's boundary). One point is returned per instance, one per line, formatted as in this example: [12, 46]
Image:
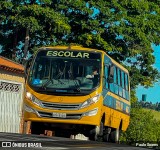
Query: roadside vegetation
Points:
[156, 114]
[144, 125]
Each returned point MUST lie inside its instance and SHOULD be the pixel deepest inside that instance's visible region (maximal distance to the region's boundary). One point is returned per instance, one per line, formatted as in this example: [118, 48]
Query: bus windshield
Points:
[65, 71]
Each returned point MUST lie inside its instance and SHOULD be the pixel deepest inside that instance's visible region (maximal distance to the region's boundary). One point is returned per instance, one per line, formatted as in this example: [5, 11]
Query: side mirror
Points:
[111, 74]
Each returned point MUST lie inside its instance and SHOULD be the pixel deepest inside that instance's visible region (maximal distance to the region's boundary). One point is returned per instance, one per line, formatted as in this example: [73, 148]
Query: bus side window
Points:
[120, 82]
[126, 82]
[115, 74]
[106, 72]
[122, 74]
[126, 86]
[123, 84]
[111, 78]
[116, 80]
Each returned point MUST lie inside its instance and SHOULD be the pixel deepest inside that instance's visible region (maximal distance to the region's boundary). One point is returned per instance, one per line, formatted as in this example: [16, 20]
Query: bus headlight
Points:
[91, 113]
[33, 98]
[28, 109]
[90, 101]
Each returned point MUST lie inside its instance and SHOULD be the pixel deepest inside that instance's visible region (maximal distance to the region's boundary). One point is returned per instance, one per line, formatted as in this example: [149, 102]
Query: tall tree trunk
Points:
[26, 44]
[15, 44]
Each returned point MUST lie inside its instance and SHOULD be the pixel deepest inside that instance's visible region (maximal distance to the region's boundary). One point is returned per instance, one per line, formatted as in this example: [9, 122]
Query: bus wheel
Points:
[97, 133]
[106, 134]
[115, 135]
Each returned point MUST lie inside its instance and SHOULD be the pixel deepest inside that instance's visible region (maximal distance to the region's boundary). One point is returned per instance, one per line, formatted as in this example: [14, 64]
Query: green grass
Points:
[155, 113]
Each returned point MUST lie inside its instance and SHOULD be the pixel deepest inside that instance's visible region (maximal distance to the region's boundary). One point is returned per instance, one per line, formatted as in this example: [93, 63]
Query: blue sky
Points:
[153, 93]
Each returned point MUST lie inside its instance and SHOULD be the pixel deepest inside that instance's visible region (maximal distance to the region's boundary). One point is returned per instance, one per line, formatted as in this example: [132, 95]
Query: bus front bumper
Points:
[91, 117]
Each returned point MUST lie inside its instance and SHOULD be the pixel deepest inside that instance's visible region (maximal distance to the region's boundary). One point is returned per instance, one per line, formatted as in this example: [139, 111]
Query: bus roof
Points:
[71, 48]
[78, 47]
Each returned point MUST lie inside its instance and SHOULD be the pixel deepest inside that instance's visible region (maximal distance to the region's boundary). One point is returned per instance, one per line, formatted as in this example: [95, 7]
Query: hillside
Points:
[154, 112]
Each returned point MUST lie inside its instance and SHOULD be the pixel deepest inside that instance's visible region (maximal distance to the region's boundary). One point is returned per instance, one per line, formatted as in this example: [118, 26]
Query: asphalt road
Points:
[11, 141]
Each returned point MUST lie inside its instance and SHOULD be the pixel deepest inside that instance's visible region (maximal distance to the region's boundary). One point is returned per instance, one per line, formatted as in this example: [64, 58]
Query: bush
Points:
[142, 127]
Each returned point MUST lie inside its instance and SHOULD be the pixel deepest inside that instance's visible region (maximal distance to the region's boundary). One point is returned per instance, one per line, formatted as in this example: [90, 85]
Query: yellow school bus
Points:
[71, 90]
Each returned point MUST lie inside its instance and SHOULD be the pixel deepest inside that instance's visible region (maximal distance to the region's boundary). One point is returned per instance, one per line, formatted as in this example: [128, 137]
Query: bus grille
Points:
[68, 116]
[60, 106]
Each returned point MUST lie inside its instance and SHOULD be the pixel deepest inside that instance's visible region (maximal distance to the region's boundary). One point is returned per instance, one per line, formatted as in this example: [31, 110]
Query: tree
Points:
[29, 19]
[133, 98]
[158, 107]
[124, 29]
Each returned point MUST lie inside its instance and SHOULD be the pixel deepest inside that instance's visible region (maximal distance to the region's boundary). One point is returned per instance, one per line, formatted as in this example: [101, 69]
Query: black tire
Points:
[115, 135]
[96, 135]
[106, 137]
[106, 134]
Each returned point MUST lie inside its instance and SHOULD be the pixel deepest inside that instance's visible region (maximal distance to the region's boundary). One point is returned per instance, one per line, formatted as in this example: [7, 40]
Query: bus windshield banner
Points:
[69, 54]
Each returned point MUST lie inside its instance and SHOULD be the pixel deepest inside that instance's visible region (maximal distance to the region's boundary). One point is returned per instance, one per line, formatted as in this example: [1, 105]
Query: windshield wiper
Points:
[46, 83]
[77, 86]
[52, 81]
